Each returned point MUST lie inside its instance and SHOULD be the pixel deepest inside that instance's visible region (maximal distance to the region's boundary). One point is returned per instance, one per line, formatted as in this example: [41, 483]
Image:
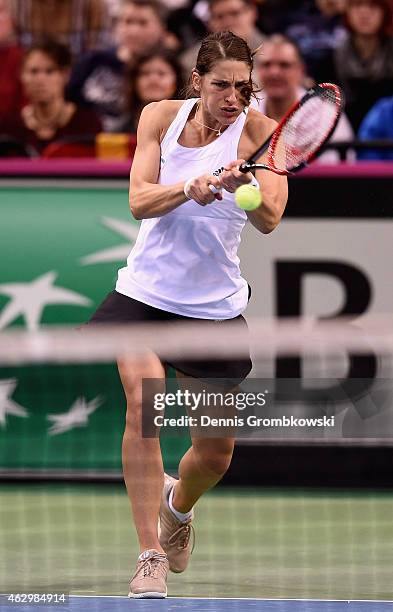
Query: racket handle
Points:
[244, 168]
[247, 167]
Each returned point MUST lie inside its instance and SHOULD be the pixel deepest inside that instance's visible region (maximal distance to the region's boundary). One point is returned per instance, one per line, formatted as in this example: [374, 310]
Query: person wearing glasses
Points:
[281, 73]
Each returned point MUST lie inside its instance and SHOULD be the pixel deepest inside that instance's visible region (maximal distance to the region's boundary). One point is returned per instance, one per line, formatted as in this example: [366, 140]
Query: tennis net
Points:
[315, 410]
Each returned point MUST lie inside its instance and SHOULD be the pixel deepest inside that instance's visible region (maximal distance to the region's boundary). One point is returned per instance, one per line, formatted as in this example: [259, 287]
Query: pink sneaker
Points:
[174, 535]
[149, 580]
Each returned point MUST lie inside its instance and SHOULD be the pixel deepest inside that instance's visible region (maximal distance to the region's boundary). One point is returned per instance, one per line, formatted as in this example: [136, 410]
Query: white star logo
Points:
[30, 299]
[77, 416]
[7, 405]
[118, 253]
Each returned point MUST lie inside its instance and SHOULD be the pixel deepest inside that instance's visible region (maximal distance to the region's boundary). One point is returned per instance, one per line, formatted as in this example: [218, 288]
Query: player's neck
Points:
[207, 124]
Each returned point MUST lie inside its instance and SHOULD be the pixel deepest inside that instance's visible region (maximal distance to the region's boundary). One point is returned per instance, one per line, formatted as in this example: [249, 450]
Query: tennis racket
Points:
[301, 133]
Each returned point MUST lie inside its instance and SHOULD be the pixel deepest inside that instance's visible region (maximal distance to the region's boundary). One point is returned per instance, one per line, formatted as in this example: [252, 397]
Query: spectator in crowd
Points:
[276, 15]
[188, 22]
[97, 80]
[113, 7]
[237, 16]
[364, 62]
[318, 29]
[48, 117]
[156, 76]
[10, 61]
[79, 24]
[378, 125]
[281, 72]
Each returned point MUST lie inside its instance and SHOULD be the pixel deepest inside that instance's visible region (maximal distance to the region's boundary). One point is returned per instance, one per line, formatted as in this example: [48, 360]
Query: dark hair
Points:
[158, 8]
[247, 2]
[223, 46]
[60, 54]
[386, 26]
[282, 39]
[133, 103]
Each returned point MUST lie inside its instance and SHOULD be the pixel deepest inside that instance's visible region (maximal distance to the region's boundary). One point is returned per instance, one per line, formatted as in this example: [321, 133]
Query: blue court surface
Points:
[175, 604]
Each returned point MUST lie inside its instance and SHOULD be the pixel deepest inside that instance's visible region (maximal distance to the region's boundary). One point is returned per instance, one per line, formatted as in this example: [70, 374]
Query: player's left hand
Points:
[232, 178]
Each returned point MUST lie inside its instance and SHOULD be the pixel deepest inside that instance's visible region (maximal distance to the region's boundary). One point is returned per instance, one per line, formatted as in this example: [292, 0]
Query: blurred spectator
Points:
[79, 24]
[48, 117]
[238, 16]
[276, 15]
[281, 72]
[97, 80]
[113, 7]
[186, 24]
[156, 76]
[364, 62]
[10, 61]
[378, 125]
[318, 29]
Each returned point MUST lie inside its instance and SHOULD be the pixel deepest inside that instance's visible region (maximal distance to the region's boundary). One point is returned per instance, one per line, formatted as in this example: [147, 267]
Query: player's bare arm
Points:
[147, 198]
[274, 188]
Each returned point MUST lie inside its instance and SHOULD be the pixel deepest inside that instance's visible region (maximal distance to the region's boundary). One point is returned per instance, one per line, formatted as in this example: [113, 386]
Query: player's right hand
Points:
[199, 189]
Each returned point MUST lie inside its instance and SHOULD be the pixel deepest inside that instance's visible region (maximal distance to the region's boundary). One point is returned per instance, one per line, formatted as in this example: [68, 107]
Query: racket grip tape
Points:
[244, 168]
[253, 182]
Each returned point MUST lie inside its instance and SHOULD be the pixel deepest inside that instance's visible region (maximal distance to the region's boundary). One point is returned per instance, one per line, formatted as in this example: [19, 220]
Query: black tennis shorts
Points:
[118, 308]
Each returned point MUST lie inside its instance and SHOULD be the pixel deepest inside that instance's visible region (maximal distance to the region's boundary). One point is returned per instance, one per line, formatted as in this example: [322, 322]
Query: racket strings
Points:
[304, 131]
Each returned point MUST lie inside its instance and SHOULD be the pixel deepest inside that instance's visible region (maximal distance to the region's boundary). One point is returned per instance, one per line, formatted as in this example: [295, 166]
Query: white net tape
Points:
[103, 344]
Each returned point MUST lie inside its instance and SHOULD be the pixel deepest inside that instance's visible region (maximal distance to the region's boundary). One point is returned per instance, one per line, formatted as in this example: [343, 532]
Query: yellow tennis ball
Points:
[248, 197]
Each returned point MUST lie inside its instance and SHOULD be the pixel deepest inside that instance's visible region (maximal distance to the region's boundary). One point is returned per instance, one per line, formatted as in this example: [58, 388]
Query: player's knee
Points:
[132, 371]
[217, 463]
[140, 398]
[215, 460]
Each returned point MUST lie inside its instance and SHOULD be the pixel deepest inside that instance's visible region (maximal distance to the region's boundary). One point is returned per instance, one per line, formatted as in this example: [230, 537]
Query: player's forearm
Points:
[267, 216]
[148, 200]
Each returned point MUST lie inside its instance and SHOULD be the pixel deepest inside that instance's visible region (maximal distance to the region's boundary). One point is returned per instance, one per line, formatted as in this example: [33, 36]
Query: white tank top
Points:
[186, 261]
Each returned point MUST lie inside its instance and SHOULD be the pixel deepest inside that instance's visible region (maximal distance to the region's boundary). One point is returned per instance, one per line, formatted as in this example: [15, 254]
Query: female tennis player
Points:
[184, 266]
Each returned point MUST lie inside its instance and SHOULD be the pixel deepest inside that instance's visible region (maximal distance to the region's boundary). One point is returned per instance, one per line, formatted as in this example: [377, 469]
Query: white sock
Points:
[181, 516]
